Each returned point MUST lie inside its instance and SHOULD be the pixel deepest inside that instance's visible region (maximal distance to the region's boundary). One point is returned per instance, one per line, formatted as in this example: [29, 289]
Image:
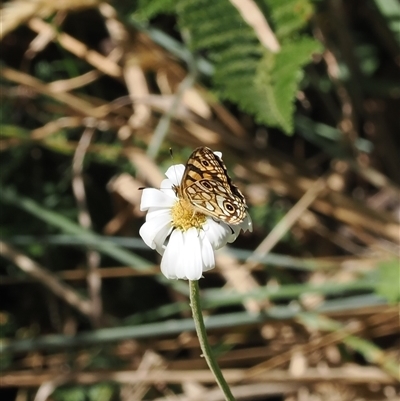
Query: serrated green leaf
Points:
[288, 17]
[261, 83]
[278, 77]
[150, 9]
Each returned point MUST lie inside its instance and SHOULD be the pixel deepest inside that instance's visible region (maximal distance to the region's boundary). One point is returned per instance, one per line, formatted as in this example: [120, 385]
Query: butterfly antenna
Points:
[171, 153]
[172, 157]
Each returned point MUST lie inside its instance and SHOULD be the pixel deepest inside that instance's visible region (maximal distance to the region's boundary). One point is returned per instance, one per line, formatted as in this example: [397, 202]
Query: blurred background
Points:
[303, 99]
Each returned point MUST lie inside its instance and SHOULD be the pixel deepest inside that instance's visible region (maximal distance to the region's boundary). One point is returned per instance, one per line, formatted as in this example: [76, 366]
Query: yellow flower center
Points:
[184, 216]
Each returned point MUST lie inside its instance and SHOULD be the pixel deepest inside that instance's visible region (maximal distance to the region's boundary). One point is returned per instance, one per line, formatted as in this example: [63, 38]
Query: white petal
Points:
[158, 212]
[175, 173]
[217, 233]
[155, 231]
[166, 184]
[160, 238]
[148, 233]
[155, 198]
[166, 187]
[182, 258]
[171, 255]
[192, 262]
[207, 254]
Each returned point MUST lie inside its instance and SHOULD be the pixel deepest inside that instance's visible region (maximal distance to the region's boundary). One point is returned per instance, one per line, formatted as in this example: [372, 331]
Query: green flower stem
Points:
[204, 345]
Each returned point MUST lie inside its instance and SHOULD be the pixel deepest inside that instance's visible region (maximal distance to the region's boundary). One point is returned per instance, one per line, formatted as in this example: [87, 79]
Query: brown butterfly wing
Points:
[208, 187]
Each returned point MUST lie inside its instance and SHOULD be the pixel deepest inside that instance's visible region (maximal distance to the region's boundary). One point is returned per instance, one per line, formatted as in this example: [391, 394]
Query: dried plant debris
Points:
[302, 100]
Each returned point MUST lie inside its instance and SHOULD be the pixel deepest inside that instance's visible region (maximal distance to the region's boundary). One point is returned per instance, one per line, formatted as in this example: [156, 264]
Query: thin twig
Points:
[163, 125]
[47, 278]
[92, 256]
[251, 13]
[352, 374]
[74, 102]
[47, 388]
[79, 49]
[287, 222]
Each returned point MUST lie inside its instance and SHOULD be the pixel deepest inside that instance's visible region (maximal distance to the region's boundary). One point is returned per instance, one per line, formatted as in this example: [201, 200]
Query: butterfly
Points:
[207, 186]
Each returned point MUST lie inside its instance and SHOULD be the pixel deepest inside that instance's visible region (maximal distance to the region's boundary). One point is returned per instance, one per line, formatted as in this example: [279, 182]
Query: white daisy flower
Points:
[184, 237]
